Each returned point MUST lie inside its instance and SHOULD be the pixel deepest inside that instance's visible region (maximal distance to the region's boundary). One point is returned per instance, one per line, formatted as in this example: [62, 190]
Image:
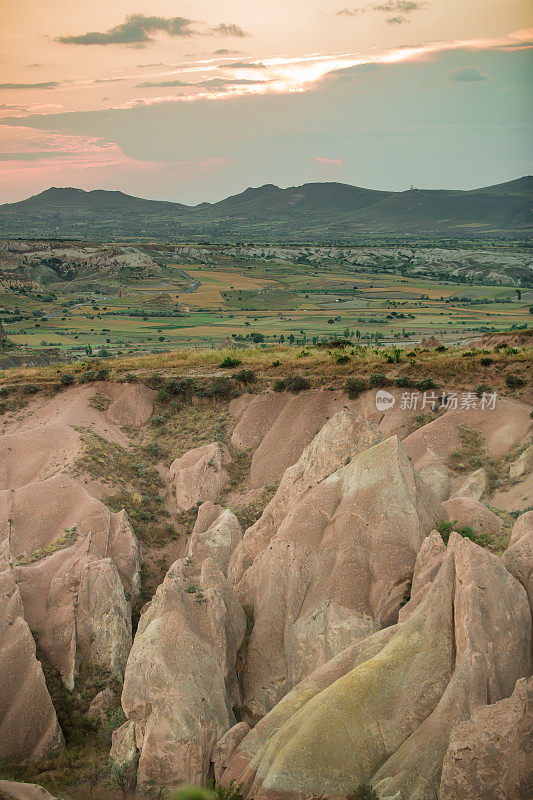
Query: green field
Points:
[231, 301]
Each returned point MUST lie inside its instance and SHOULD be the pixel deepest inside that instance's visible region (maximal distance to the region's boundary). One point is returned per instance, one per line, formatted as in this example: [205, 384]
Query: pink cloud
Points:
[31, 160]
[328, 162]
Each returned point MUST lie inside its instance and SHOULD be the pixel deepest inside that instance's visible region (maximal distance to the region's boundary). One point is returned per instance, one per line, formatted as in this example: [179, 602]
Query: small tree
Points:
[92, 775]
[121, 776]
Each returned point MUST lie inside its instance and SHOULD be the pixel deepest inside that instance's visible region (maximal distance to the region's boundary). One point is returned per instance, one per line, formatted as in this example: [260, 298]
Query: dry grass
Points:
[473, 455]
[100, 401]
[239, 468]
[136, 486]
[189, 425]
[66, 540]
[318, 364]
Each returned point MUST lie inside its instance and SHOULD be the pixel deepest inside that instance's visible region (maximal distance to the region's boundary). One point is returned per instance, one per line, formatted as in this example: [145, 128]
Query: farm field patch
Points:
[253, 300]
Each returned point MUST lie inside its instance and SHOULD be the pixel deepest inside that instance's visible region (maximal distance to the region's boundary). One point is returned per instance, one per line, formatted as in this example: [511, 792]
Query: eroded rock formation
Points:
[199, 475]
[180, 683]
[336, 569]
[216, 537]
[28, 723]
[383, 711]
[12, 790]
[358, 647]
[518, 558]
[490, 756]
[57, 537]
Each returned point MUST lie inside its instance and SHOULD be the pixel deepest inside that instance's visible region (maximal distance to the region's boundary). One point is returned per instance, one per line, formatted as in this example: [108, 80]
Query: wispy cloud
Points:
[18, 110]
[27, 153]
[152, 84]
[138, 30]
[350, 12]
[397, 7]
[301, 73]
[218, 78]
[246, 65]
[401, 6]
[469, 74]
[230, 29]
[42, 85]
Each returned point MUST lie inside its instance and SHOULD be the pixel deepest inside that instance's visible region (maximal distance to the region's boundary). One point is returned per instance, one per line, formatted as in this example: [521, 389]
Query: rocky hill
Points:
[314, 211]
[290, 587]
[42, 263]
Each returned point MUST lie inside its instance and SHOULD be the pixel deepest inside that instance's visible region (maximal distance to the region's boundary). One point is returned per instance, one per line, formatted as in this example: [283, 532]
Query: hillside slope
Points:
[317, 211]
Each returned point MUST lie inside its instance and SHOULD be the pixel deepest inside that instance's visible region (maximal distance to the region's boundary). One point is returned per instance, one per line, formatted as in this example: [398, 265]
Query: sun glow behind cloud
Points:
[299, 74]
[220, 78]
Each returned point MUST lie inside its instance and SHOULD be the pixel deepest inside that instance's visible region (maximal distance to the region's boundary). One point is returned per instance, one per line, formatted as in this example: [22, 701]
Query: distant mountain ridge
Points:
[313, 211]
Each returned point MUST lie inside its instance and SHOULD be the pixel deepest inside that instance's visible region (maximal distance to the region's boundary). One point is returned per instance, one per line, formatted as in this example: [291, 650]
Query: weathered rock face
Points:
[279, 426]
[103, 618]
[428, 562]
[226, 746]
[503, 427]
[467, 512]
[101, 707]
[490, 755]
[57, 536]
[383, 710]
[28, 456]
[474, 486]
[522, 465]
[436, 475]
[336, 570]
[207, 514]
[180, 683]
[518, 558]
[341, 438]
[11, 790]
[516, 495]
[28, 724]
[132, 404]
[218, 540]
[199, 475]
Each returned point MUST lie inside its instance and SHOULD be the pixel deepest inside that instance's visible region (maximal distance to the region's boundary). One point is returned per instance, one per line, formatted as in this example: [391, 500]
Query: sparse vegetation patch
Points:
[65, 540]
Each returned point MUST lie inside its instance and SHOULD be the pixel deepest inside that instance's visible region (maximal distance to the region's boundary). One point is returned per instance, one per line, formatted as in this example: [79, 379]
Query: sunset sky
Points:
[193, 101]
